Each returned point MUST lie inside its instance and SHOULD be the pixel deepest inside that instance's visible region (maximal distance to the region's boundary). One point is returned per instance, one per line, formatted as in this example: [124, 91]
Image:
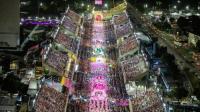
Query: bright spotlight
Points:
[82, 4]
[106, 5]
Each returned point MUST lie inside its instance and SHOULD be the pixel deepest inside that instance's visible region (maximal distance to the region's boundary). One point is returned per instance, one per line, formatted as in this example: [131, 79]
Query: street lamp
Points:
[88, 7]
[175, 6]
[82, 4]
[106, 5]
[145, 5]
[41, 4]
[36, 17]
[187, 7]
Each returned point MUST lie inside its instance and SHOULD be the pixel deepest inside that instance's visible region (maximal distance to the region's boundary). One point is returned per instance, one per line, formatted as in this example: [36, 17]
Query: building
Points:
[7, 104]
[9, 24]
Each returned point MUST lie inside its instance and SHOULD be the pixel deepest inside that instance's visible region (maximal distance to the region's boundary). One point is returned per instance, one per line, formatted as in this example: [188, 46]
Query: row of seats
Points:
[69, 25]
[57, 60]
[123, 29]
[72, 21]
[76, 18]
[132, 67]
[120, 19]
[122, 25]
[128, 45]
[68, 42]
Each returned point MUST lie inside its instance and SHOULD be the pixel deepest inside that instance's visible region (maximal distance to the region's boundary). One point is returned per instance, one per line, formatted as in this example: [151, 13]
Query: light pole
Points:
[175, 6]
[82, 4]
[41, 4]
[38, 7]
[145, 7]
[106, 5]
[187, 7]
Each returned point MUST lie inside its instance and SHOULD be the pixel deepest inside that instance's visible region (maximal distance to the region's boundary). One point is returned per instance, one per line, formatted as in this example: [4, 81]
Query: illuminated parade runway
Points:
[98, 101]
[99, 70]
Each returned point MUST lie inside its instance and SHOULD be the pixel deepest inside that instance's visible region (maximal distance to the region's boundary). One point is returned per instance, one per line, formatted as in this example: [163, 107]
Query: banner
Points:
[98, 2]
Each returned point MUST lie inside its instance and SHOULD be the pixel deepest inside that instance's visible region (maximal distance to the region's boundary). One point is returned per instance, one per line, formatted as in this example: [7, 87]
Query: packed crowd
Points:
[57, 60]
[86, 42]
[112, 53]
[88, 29]
[100, 69]
[85, 52]
[69, 42]
[109, 32]
[110, 38]
[133, 67]
[123, 29]
[97, 29]
[108, 25]
[122, 25]
[128, 45]
[120, 19]
[70, 25]
[85, 49]
[147, 101]
[117, 89]
[72, 22]
[98, 106]
[50, 100]
[73, 16]
[84, 66]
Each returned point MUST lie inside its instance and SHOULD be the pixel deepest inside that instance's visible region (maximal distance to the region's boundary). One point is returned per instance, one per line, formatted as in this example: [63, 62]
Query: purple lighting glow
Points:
[98, 2]
[99, 69]
[99, 86]
[42, 23]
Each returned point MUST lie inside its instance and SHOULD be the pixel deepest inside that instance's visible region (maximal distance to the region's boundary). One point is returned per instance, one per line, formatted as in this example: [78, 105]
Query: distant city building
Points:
[7, 104]
[9, 23]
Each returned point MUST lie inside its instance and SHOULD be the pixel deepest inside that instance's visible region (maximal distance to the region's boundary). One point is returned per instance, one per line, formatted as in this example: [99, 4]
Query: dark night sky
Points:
[57, 6]
[183, 3]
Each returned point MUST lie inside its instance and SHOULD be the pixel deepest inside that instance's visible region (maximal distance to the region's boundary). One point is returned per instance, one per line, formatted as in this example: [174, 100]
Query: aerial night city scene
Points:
[100, 56]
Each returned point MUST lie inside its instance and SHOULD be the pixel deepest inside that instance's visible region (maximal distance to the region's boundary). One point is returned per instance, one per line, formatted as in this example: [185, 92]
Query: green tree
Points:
[180, 92]
[46, 71]
[11, 84]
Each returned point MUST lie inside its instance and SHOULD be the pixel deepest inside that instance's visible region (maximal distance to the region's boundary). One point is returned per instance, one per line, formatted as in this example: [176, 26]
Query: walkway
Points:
[99, 71]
